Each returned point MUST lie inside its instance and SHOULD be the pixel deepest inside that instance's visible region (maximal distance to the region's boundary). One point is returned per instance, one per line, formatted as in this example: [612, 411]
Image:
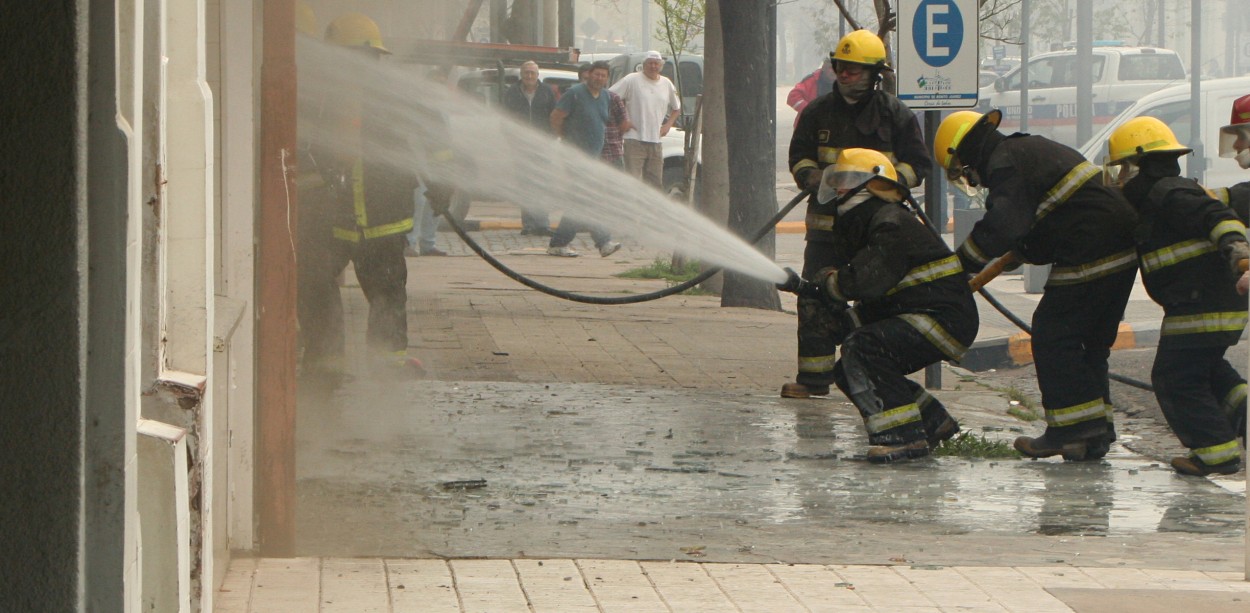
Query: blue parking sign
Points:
[937, 53]
[938, 31]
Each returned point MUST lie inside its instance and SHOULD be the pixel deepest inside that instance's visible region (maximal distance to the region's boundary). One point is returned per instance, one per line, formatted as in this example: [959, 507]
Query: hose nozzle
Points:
[799, 286]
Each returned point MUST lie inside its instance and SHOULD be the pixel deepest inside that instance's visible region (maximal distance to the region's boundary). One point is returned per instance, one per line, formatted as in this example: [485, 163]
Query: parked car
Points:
[1121, 76]
[1173, 107]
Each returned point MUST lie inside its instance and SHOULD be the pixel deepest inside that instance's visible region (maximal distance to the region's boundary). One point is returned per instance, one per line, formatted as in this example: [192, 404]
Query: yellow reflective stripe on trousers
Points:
[1082, 273]
[923, 399]
[1061, 191]
[925, 273]
[1218, 454]
[819, 222]
[1234, 398]
[398, 227]
[818, 363]
[1227, 226]
[1068, 416]
[358, 194]
[892, 418]
[1175, 254]
[936, 334]
[1228, 321]
[974, 252]
[347, 235]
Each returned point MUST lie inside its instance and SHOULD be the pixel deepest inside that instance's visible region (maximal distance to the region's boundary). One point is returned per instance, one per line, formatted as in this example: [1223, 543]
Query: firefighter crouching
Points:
[856, 114]
[912, 307]
[1047, 205]
[1190, 247]
[1235, 143]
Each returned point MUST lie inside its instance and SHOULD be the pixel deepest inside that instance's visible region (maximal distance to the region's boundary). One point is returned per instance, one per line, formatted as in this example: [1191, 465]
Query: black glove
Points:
[1235, 250]
[799, 286]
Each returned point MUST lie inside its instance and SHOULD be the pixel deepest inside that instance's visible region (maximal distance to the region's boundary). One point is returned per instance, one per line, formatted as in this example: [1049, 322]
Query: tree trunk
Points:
[747, 39]
[714, 173]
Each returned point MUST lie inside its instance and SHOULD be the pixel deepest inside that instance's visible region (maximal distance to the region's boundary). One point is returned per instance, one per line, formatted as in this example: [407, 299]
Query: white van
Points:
[1172, 106]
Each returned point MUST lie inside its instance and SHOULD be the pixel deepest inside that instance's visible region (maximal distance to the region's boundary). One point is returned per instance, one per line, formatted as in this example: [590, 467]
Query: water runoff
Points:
[495, 158]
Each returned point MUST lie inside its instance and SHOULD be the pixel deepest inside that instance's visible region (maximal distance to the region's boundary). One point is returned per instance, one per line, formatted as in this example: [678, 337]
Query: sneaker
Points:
[1042, 447]
[609, 248]
[883, 454]
[1195, 467]
[946, 431]
[800, 390]
[433, 251]
[564, 252]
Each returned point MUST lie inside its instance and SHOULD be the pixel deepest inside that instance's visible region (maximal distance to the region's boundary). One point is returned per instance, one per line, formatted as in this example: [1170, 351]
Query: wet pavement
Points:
[443, 469]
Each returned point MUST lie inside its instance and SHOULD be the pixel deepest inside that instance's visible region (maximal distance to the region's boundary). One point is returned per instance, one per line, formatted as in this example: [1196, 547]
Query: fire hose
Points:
[583, 298]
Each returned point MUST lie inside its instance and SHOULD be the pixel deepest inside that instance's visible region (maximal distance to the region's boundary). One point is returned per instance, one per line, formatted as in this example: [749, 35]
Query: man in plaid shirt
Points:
[613, 130]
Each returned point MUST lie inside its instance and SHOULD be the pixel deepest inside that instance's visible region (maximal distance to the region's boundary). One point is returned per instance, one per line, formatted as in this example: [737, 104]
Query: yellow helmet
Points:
[861, 168]
[306, 19]
[861, 47]
[949, 135]
[355, 30]
[1140, 136]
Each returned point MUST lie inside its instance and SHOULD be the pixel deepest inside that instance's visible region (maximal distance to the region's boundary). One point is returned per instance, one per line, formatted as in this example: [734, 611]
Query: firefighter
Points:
[912, 306]
[1235, 143]
[372, 208]
[855, 115]
[1189, 247]
[1047, 205]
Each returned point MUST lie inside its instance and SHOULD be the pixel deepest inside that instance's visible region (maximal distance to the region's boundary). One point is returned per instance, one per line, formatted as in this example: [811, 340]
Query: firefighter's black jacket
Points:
[1237, 197]
[1048, 204]
[890, 264]
[879, 122]
[1178, 242]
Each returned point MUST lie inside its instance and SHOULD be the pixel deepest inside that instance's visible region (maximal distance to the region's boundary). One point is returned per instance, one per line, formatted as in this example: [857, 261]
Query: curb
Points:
[1017, 349]
[481, 225]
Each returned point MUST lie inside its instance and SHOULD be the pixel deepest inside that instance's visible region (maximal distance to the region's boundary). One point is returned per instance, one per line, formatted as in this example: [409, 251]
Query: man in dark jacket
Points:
[1191, 248]
[1046, 205]
[913, 307]
[855, 115]
[532, 103]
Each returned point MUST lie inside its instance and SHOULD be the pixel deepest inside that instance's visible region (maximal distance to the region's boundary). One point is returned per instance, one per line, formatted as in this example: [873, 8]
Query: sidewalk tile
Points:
[554, 585]
[686, 586]
[488, 586]
[353, 586]
[752, 588]
[421, 586]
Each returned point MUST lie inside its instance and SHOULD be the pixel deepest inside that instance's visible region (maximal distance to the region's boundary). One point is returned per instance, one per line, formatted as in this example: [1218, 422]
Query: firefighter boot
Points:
[1194, 466]
[882, 454]
[1042, 447]
[800, 390]
[946, 431]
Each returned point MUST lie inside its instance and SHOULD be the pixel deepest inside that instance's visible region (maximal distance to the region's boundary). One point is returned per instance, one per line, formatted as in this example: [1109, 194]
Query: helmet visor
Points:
[1116, 174]
[834, 182]
[1234, 139]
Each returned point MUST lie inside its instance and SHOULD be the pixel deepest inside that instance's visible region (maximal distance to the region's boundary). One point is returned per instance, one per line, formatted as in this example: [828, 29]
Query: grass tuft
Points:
[969, 445]
[662, 268]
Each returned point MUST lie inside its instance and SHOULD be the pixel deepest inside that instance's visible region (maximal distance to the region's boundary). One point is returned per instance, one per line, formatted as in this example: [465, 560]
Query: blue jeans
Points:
[424, 225]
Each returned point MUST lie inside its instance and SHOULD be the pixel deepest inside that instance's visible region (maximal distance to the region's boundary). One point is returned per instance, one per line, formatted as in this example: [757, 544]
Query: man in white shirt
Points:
[653, 106]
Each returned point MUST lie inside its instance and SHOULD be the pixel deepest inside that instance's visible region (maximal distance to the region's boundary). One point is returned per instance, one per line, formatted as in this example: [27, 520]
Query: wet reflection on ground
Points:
[489, 469]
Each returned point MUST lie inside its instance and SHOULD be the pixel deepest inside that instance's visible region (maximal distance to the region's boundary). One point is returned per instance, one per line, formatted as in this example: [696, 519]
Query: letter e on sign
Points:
[938, 31]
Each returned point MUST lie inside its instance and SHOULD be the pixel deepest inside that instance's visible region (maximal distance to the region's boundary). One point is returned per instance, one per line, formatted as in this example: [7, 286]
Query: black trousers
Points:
[1074, 328]
[817, 351]
[1192, 386]
[383, 274]
[872, 372]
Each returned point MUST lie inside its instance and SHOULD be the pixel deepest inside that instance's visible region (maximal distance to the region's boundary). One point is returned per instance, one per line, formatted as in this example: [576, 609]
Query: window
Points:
[1150, 67]
[1057, 71]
